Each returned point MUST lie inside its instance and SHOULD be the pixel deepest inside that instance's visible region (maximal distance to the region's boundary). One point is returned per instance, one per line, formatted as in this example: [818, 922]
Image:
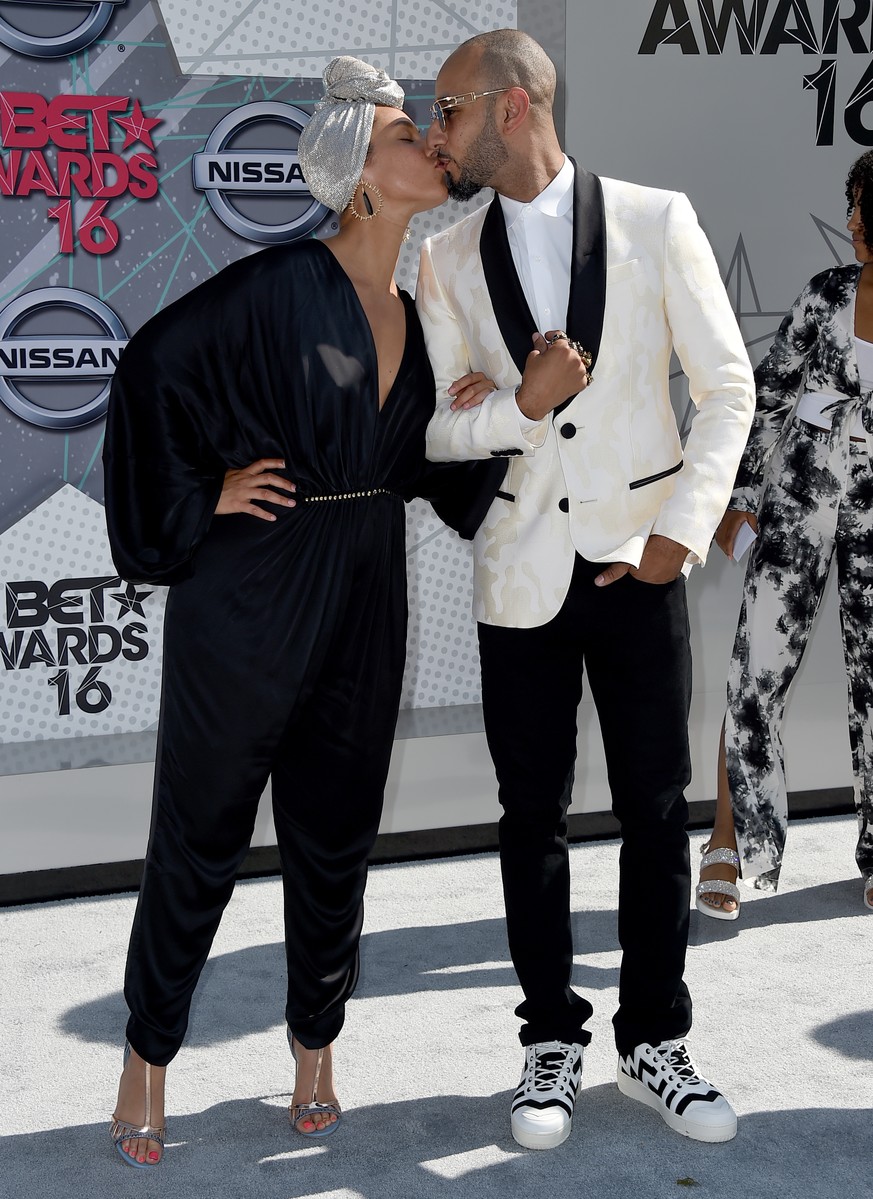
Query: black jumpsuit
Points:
[284, 641]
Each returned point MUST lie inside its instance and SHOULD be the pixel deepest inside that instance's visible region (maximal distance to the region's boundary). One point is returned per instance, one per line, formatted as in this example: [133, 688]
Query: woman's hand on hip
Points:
[726, 533]
[470, 390]
[246, 489]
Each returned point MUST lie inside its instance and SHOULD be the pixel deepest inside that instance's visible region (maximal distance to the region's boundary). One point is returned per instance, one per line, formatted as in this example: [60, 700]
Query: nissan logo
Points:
[92, 20]
[58, 356]
[221, 171]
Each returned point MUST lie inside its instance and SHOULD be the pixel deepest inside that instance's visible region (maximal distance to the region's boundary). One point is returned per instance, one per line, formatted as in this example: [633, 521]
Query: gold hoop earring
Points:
[371, 211]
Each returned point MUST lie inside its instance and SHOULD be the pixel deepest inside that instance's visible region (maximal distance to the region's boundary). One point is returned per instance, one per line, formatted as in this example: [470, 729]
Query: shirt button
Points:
[564, 504]
[568, 430]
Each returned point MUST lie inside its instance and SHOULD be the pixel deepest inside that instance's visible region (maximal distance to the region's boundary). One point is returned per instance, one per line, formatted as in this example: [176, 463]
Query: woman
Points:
[285, 622]
[805, 486]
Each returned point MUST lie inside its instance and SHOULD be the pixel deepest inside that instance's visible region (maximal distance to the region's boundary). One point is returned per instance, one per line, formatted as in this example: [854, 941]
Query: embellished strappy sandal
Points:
[121, 1131]
[718, 886]
[298, 1113]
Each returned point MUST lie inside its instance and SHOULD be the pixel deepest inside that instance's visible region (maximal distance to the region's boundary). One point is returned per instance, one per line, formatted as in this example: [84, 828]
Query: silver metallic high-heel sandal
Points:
[313, 1110]
[120, 1130]
[868, 891]
[718, 886]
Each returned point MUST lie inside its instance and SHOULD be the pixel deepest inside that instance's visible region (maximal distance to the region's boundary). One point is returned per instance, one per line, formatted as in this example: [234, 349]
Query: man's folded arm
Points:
[496, 428]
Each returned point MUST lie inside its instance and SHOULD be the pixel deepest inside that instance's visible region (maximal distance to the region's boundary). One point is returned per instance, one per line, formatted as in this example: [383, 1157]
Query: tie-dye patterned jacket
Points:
[814, 350]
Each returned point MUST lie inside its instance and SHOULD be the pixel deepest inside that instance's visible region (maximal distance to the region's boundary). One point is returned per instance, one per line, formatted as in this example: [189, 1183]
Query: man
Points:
[588, 518]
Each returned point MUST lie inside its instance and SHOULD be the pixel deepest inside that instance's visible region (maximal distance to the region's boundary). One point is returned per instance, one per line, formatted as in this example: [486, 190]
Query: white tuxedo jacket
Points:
[607, 469]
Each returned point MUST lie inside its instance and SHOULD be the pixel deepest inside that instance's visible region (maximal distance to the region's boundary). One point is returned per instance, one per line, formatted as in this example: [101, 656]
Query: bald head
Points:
[510, 58]
[505, 138]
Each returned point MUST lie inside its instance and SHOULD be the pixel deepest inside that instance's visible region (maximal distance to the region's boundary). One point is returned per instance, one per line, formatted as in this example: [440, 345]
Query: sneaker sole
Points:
[686, 1128]
[550, 1140]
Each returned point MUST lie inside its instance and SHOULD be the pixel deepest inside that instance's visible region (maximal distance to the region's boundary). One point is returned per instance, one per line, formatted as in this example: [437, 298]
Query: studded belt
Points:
[349, 495]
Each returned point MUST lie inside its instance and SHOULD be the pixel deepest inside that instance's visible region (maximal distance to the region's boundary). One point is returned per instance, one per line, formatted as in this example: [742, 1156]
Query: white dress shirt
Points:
[540, 235]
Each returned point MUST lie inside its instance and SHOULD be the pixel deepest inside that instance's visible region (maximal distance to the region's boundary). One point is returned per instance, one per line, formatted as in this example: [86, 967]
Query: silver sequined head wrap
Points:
[333, 146]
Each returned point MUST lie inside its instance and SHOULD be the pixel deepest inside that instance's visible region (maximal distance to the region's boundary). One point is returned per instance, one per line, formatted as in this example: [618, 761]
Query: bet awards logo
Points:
[244, 157]
[62, 148]
[58, 356]
[762, 29]
[74, 627]
[73, 25]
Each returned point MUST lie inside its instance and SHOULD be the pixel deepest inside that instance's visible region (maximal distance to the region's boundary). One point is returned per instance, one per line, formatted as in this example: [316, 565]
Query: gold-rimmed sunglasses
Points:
[445, 104]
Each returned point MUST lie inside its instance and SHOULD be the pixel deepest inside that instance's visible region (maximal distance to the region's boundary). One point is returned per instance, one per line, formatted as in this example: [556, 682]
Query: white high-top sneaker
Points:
[542, 1109]
[665, 1078]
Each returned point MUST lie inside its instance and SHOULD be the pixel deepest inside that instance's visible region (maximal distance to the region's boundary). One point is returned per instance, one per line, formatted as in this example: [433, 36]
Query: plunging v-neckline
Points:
[366, 320]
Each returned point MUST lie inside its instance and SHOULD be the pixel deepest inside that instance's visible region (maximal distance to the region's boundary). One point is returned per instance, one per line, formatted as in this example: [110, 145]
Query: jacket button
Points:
[568, 430]
[564, 504]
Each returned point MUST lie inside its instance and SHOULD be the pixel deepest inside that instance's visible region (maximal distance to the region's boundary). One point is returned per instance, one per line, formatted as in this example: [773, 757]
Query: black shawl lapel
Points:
[588, 274]
[514, 318]
[587, 299]
[465, 506]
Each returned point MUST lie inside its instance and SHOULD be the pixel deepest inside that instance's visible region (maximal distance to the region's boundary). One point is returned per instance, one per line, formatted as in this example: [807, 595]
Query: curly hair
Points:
[859, 190]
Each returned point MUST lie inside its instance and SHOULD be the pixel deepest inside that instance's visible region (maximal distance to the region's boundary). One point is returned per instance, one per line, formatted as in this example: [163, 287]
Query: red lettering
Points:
[28, 122]
[101, 164]
[64, 125]
[22, 121]
[100, 107]
[9, 172]
[80, 127]
[96, 222]
[65, 114]
[63, 214]
[74, 171]
[35, 176]
[143, 184]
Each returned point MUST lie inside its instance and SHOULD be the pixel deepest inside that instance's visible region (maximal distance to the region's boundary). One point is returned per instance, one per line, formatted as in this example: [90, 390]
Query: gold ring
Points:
[585, 355]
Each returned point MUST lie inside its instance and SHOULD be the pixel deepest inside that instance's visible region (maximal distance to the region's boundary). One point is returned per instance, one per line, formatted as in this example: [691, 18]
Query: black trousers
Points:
[633, 640]
[313, 706]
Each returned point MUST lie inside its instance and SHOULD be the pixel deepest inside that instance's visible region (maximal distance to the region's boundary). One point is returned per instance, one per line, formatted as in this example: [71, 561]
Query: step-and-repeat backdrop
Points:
[145, 145]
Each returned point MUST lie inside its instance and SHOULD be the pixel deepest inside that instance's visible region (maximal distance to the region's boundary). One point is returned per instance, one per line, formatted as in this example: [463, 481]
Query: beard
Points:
[484, 158]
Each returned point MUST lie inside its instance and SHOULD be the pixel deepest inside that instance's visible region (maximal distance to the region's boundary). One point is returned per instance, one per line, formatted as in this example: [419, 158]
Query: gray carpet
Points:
[428, 1059]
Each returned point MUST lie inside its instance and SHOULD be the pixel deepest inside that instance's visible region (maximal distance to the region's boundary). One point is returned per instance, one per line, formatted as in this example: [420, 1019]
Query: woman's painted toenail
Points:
[153, 1157]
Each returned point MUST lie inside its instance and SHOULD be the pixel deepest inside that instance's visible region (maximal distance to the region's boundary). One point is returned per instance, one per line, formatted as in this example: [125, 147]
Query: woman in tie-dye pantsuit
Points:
[805, 484]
